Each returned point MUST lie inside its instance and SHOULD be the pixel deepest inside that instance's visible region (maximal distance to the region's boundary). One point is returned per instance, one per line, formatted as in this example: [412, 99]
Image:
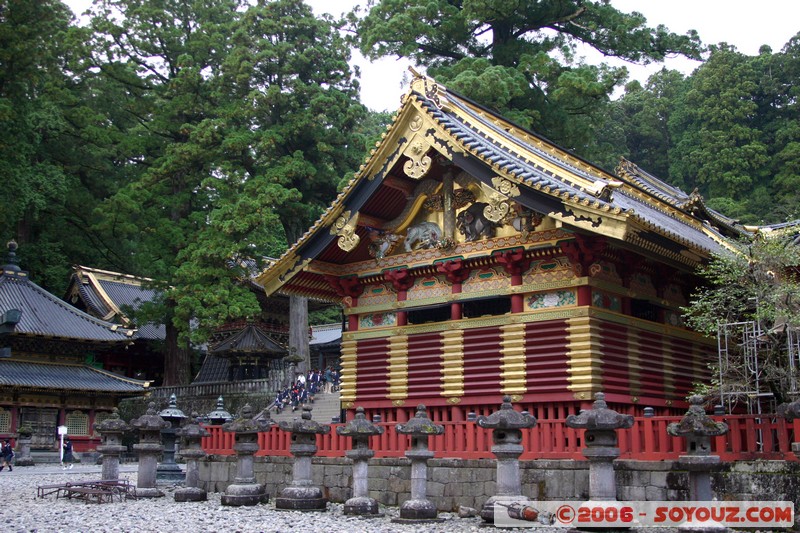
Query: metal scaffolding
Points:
[741, 346]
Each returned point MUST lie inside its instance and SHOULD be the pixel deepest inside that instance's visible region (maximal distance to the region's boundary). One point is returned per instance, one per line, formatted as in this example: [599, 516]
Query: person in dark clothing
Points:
[67, 457]
[7, 454]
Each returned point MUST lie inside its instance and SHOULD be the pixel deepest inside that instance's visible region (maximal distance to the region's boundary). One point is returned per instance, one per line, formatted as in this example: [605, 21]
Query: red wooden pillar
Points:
[402, 280]
[349, 288]
[455, 271]
[515, 264]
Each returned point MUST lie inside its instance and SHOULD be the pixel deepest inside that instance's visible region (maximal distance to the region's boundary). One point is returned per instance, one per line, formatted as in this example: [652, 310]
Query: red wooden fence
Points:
[749, 437]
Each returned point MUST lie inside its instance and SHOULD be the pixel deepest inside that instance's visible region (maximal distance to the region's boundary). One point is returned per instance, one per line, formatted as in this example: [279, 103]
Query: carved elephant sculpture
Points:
[473, 224]
[422, 235]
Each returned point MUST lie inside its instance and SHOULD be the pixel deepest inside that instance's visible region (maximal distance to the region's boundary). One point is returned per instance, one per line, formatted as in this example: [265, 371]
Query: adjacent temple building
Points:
[476, 259]
[55, 364]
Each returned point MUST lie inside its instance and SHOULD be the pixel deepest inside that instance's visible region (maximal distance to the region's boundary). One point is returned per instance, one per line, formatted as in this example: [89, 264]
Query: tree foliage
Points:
[244, 114]
[520, 57]
[729, 130]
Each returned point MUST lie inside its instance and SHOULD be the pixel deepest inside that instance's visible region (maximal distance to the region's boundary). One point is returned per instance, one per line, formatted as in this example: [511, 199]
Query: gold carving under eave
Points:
[345, 228]
[454, 400]
[497, 198]
[398, 403]
[505, 187]
[418, 162]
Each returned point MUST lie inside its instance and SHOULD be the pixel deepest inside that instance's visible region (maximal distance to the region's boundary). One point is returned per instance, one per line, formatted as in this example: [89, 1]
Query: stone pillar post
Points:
[601, 424]
[698, 428]
[149, 448]
[24, 438]
[301, 494]
[506, 425]
[111, 431]
[419, 508]
[191, 450]
[360, 430]
[245, 490]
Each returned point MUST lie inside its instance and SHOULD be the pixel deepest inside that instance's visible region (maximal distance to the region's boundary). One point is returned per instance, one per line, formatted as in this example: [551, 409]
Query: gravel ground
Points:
[23, 511]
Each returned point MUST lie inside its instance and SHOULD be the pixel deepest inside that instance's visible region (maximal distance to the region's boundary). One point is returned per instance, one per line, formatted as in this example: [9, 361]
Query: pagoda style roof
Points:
[65, 377]
[437, 132]
[249, 340]
[214, 369]
[44, 315]
[111, 295]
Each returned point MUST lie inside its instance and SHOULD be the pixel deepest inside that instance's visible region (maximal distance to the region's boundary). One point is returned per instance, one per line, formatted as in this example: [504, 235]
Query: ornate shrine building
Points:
[475, 259]
[53, 367]
[112, 296]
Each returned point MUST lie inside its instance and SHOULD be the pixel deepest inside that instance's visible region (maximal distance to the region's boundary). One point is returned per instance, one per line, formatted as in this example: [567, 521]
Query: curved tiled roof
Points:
[249, 340]
[44, 315]
[110, 294]
[634, 206]
[38, 375]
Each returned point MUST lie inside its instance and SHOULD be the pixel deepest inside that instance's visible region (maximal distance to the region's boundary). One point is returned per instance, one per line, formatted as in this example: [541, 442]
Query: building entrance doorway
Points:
[44, 421]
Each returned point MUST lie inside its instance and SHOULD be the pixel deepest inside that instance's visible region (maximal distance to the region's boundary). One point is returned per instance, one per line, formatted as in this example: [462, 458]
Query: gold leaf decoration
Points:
[505, 187]
[418, 162]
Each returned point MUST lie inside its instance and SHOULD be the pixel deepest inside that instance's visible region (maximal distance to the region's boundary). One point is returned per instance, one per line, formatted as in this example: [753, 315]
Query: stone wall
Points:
[454, 482]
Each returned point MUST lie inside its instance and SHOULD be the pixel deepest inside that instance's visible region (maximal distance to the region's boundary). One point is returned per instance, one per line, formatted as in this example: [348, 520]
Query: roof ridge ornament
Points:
[432, 90]
[12, 263]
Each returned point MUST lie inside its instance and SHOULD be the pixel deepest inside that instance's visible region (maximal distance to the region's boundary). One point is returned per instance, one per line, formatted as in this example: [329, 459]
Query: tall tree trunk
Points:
[298, 331]
[177, 364]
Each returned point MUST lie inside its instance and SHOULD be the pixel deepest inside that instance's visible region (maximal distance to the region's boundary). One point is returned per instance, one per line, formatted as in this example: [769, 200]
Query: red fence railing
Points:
[749, 437]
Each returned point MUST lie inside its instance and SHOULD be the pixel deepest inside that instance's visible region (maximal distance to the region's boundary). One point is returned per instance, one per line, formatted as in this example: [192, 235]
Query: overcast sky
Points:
[746, 24]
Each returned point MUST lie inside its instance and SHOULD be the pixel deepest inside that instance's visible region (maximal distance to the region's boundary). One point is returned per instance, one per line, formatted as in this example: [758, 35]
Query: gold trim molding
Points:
[345, 228]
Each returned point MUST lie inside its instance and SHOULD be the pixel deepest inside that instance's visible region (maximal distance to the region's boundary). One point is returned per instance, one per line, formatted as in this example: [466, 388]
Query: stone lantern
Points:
[24, 438]
[601, 425]
[419, 508]
[111, 430]
[219, 416]
[191, 435]
[301, 494]
[360, 430]
[168, 470]
[506, 425]
[245, 490]
[698, 428]
[149, 447]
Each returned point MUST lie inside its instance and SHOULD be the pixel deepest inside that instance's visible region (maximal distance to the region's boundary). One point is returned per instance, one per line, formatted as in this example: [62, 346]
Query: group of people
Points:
[7, 455]
[305, 388]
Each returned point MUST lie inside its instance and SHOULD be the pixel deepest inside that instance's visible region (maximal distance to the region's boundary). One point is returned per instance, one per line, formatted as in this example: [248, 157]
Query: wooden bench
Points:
[100, 491]
[88, 494]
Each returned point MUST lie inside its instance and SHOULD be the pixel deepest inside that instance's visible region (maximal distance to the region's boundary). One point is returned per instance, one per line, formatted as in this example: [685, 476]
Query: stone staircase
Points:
[324, 408]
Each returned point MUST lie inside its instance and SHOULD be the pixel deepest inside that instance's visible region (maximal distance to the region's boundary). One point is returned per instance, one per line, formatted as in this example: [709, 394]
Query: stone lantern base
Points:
[245, 494]
[301, 499]
[190, 494]
[148, 492]
[417, 511]
[362, 506]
